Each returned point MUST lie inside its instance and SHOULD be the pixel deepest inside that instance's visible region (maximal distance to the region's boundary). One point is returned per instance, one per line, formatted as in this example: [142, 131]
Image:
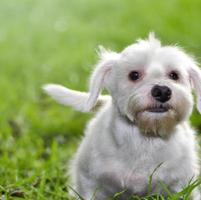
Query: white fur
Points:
[125, 143]
[72, 98]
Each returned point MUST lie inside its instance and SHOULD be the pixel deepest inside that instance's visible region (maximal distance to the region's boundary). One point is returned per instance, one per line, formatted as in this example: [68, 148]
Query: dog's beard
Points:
[157, 124]
[156, 120]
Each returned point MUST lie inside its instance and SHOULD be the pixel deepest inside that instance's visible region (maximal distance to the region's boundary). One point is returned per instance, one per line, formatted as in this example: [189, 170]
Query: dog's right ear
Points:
[100, 76]
[195, 78]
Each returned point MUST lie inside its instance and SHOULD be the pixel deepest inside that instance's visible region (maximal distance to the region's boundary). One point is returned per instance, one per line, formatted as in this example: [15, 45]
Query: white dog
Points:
[142, 129]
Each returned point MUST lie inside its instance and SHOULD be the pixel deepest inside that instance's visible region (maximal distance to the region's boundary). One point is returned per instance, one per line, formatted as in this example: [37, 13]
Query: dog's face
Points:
[150, 85]
[152, 88]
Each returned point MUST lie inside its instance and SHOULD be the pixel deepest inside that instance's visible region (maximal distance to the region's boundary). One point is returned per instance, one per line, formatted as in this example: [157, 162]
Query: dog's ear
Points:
[195, 78]
[100, 76]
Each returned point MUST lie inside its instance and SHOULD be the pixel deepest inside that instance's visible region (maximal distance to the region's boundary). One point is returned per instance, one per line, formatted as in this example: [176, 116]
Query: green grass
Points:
[45, 41]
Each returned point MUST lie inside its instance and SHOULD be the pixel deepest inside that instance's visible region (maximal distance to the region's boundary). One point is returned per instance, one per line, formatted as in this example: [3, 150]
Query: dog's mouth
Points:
[158, 109]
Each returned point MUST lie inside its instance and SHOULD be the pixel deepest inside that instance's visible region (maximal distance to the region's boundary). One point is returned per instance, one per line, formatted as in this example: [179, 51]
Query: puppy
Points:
[142, 128]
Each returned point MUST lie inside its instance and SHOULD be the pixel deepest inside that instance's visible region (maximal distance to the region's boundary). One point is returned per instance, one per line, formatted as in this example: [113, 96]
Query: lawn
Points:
[44, 41]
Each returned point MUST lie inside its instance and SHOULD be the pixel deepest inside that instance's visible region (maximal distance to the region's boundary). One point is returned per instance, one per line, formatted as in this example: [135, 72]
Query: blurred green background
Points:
[43, 41]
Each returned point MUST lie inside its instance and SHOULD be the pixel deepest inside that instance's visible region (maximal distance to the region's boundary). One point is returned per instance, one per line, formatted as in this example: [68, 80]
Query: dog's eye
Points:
[134, 75]
[174, 75]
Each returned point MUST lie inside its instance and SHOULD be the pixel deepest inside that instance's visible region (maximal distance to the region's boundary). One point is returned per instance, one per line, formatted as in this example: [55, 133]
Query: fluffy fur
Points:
[125, 142]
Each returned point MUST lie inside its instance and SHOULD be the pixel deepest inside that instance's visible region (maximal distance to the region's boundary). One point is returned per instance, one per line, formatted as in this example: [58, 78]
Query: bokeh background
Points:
[43, 41]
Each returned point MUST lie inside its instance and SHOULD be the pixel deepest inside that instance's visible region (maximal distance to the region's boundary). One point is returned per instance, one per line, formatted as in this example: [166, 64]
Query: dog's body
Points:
[114, 156]
[140, 140]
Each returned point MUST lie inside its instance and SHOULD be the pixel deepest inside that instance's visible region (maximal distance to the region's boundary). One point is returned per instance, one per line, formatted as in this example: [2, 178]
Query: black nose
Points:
[161, 93]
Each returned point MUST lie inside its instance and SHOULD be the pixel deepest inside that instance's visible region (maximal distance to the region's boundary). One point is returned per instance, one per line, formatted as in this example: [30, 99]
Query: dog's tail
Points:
[73, 98]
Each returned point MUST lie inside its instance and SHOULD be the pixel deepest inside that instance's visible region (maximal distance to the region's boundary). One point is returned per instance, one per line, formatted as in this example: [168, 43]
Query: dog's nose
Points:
[161, 93]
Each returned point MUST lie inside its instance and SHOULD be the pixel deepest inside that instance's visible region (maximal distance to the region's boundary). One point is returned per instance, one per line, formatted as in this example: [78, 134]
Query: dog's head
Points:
[150, 84]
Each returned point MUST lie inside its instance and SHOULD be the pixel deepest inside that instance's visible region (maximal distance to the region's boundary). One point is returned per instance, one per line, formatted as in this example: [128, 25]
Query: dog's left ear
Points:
[100, 76]
[195, 78]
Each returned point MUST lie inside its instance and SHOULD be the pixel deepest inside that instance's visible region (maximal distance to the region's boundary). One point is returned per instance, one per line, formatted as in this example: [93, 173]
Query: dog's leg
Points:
[87, 188]
[196, 194]
[72, 98]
